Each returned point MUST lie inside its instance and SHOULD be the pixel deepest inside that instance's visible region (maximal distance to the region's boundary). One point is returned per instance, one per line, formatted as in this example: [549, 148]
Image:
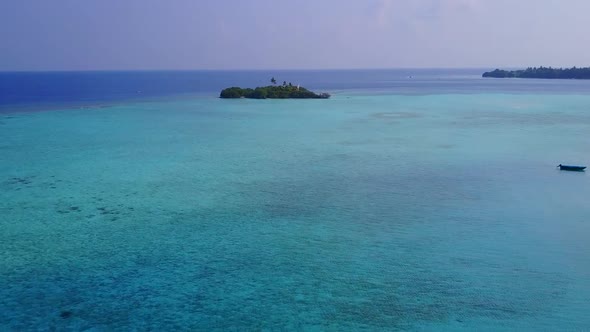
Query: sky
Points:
[291, 34]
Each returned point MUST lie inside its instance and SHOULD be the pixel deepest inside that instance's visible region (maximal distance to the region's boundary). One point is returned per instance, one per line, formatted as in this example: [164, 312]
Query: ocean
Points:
[411, 200]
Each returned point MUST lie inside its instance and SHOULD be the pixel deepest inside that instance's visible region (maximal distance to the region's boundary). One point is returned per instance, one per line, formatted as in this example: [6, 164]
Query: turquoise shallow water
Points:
[362, 212]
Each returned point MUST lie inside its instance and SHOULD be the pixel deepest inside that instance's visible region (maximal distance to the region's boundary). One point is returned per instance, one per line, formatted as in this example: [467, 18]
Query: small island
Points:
[274, 91]
[542, 72]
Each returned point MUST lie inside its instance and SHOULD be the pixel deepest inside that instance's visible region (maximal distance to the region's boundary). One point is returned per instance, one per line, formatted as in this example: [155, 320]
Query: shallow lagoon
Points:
[365, 211]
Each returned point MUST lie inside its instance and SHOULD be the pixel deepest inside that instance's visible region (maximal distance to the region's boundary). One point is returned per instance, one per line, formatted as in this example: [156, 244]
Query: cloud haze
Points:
[229, 34]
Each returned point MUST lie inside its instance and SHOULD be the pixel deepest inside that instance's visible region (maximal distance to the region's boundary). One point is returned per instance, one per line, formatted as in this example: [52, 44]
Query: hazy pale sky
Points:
[271, 34]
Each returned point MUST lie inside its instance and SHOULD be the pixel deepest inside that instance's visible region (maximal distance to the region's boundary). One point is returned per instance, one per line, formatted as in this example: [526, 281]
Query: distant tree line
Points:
[285, 91]
[542, 72]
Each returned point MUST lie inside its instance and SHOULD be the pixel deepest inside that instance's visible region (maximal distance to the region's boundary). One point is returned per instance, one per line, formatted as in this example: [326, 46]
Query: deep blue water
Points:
[429, 203]
[42, 90]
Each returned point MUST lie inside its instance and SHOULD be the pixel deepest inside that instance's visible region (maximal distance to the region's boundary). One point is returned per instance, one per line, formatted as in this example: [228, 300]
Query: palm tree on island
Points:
[273, 81]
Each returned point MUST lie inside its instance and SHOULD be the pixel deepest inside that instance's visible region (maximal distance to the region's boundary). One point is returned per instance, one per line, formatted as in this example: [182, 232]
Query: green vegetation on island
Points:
[542, 72]
[285, 91]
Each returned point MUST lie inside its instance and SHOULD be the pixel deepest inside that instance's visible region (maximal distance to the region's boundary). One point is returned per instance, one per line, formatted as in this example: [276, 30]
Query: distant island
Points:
[542, 72]
[285, 91]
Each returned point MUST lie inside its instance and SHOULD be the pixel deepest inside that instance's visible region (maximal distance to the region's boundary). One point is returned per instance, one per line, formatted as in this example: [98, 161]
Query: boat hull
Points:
[572, 168]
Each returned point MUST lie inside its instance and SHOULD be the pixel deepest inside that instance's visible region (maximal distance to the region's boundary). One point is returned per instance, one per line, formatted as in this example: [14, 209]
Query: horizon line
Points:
[255, 69]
